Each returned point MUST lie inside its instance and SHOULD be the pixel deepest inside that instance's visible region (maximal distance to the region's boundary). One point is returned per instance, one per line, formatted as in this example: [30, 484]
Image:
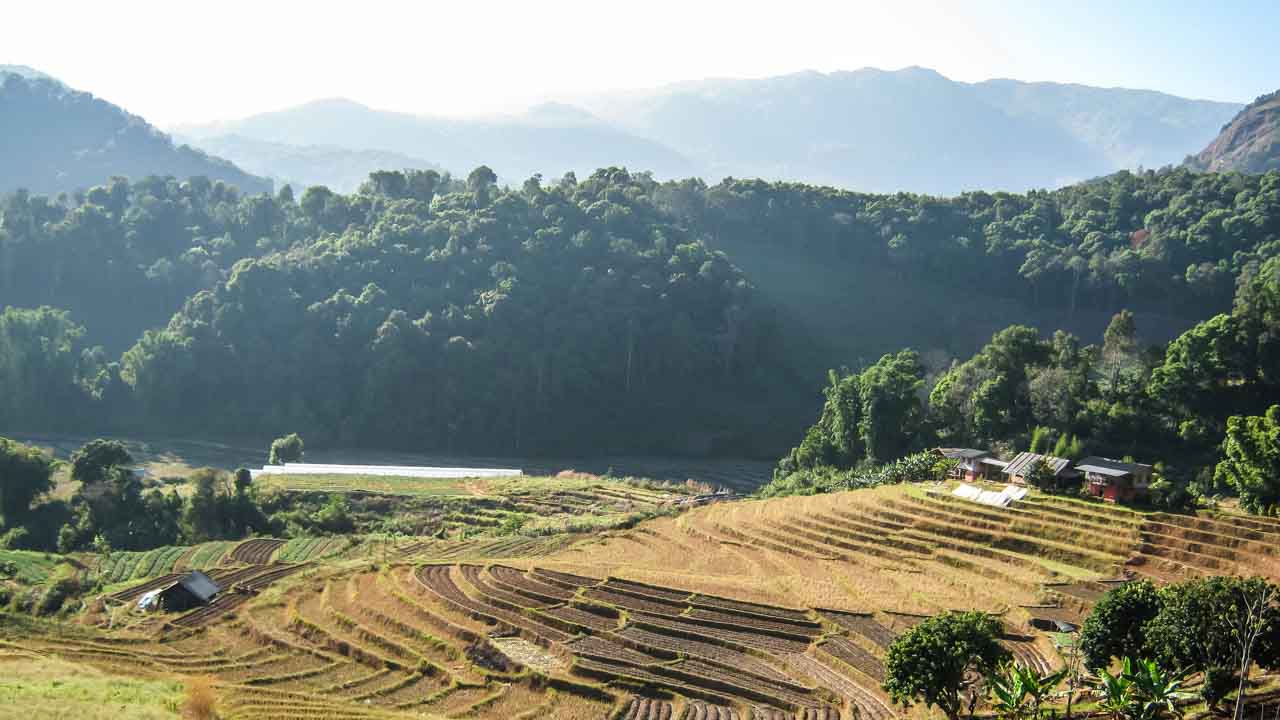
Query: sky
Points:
[176, 62]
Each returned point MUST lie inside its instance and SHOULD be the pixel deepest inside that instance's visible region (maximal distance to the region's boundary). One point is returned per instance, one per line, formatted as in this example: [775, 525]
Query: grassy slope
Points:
[35, 686]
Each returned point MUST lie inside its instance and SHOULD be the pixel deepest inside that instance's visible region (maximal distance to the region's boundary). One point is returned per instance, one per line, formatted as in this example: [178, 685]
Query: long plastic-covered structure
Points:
[386, 471]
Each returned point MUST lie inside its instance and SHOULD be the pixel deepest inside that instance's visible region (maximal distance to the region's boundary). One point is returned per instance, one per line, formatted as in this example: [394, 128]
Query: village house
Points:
[1115, 480]
[1021, 466]
[972, 465]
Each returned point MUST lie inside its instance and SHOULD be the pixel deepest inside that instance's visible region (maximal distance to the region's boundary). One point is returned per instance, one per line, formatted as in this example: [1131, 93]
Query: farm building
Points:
[972, 464]
[192, 590]
[1020, 467]
[1115, 480]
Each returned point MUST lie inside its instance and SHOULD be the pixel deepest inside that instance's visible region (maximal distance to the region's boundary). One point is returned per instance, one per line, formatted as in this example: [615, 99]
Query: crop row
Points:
[698, 710]
[437, 579]
[864, 625]
[721, 655]
[647, 709]
[853, 655]
[257, 551]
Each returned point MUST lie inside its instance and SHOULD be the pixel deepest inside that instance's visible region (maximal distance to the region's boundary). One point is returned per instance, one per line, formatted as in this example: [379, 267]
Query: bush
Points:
[56, 594]
[287, 449]
[16, 539]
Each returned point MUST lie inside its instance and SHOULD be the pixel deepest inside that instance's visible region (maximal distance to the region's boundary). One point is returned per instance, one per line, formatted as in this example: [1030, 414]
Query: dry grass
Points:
[199, 700]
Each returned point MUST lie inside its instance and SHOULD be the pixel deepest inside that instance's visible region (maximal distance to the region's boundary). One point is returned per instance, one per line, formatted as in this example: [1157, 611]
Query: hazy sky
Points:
[176, 61]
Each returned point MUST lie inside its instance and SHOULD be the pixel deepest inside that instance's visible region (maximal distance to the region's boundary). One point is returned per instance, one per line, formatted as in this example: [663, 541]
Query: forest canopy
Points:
[607, 313]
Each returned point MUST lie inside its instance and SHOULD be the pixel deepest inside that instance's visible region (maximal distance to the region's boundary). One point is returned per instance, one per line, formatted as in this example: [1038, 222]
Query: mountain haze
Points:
[58, 139]
[340, 169]
[869, 130]
[1249, 143]
[915, 130]
[550, 139]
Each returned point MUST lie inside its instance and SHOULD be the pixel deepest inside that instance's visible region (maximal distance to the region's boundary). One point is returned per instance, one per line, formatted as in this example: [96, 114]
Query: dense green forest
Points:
[1210, 397]
[429, 312]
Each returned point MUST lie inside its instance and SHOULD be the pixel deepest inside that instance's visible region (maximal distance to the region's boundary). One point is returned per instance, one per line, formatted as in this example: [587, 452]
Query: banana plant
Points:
[1158, 691]
[1140, 691]
[1018, 691]
[1008, 693]
[1117, 692]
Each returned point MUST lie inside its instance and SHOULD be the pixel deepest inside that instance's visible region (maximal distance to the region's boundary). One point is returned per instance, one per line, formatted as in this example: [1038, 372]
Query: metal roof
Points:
[962, 453]
[199, 585]
[1107, 466]
[1022, 464]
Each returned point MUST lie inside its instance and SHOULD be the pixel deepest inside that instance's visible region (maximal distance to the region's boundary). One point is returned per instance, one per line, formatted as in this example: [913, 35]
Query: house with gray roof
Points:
[1115, 480]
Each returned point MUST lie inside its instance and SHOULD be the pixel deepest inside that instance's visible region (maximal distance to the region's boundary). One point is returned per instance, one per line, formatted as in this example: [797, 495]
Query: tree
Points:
[1194, 630]
[928, 662]
[479, 182]
[95, 460]
[25, 474]
[1252, 462]
[1040, 476]
[286, 449]
[1119, 348]
[1116, 626]
[1253, 619]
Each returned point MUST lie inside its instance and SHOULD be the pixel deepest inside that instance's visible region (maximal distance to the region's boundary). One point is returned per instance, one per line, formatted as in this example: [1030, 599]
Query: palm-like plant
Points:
[1140, 691]
[1008, 693]
[1117, 693]
[1158, 691]
[1018, 691]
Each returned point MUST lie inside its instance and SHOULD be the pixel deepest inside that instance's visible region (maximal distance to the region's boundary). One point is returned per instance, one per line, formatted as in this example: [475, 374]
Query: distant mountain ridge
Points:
[551, 139]
[58, 139]
[870, 130]
[1249, 143]
[340, 169]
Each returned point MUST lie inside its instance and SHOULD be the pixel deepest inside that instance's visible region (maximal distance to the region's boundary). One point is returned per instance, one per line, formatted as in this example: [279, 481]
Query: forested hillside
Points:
[615, 312]
[61, 140]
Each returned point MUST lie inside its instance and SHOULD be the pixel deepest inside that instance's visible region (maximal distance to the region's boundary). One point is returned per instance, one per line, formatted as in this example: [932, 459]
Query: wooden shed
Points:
[192, 590]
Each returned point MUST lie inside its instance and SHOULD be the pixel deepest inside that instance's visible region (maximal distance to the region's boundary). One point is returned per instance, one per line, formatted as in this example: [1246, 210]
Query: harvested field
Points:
[646, 709]
[258, 551]
[768, 609]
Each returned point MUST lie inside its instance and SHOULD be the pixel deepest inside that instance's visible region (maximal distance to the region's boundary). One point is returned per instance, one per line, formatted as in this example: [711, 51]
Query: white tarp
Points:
[1004, 498]
[385, 471]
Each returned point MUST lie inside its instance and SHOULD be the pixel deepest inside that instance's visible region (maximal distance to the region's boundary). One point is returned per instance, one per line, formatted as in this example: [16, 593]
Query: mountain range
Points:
[871, 130]
[57, 139]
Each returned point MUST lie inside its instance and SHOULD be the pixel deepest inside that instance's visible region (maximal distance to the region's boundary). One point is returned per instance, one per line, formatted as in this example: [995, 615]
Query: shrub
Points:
[286, 450]
[56, 594]
[199, 701]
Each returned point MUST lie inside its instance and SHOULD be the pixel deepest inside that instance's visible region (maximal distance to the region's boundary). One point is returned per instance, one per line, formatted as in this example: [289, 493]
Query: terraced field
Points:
[777, 610]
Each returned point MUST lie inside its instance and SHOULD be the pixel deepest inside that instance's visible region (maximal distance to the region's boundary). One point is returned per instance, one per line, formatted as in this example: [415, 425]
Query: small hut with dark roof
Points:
[192, 590]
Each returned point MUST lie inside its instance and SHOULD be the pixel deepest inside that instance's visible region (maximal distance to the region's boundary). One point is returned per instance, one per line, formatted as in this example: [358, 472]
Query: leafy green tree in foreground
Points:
[286, 450]
[1252, 463]
[25, 474]
[1197, 630]
[928, 663]
[1115, 627]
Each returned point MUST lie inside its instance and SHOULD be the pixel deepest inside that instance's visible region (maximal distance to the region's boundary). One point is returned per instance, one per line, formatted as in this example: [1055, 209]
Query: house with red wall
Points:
[1115, 481]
